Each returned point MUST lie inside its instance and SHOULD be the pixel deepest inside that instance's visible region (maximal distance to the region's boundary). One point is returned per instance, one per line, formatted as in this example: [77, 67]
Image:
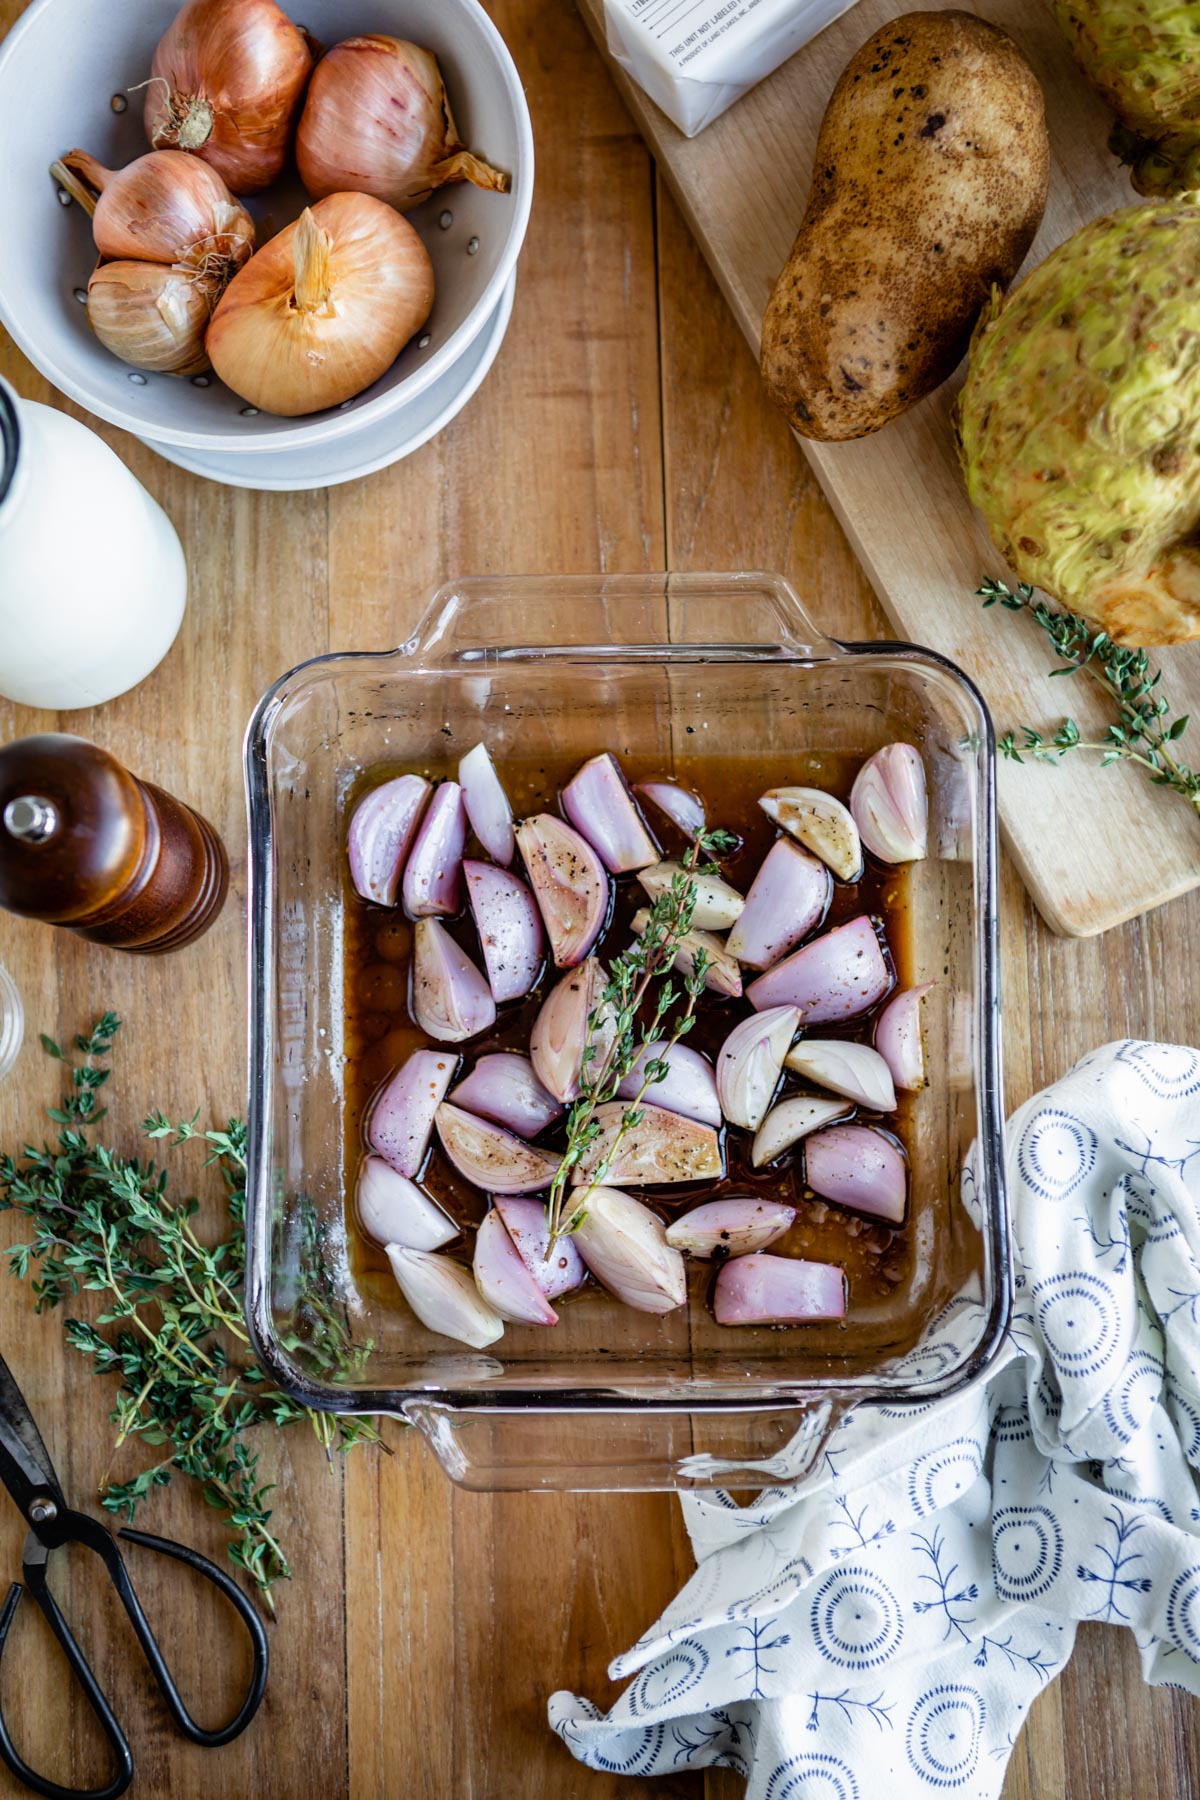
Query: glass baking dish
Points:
[551, 666]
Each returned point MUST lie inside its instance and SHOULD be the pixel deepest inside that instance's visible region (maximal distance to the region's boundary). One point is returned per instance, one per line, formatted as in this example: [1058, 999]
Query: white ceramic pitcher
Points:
[92, 575]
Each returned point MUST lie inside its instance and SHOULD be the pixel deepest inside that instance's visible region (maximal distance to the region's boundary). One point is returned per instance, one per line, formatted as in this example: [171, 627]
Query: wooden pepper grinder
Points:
[85, 844]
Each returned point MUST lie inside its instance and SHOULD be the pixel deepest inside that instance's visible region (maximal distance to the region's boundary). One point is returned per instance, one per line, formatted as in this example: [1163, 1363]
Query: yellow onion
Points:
[152, 315]
[376, 120]
[164, 208]
[226, 83]
[324, 309]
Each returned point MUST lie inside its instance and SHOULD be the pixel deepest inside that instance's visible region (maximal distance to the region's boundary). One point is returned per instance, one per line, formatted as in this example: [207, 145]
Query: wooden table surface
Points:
[622, 429]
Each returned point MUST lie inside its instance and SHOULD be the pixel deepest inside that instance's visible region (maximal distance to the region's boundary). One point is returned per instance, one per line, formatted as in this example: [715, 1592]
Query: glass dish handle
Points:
[598, 1450]
[530, 617]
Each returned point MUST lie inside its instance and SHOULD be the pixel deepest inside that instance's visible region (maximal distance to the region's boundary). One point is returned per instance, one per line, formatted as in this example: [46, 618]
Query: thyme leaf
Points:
[171, 1329]
[1143, 733]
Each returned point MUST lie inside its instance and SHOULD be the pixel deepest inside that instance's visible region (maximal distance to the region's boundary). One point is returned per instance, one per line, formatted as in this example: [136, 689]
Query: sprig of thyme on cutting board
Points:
[1143, 733]
[171, 1329]
[626, 1010]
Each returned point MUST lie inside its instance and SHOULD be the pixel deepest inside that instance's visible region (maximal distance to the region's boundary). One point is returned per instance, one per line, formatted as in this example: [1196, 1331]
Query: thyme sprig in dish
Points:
[171, 1327]
[618, 1017]
[1143, 733]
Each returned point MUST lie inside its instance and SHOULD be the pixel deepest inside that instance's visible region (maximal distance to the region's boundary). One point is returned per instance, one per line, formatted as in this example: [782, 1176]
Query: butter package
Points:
[696, 57]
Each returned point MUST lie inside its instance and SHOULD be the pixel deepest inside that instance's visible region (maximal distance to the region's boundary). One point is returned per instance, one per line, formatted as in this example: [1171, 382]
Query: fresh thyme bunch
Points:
[1143, 732]
[189, 1384]
[626, 1009]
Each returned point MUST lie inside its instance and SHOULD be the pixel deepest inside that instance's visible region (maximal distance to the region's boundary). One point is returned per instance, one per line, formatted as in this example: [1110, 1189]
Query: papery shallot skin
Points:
[503, 1087]
[788, 898]
[503, 1278]
[778, 1290]
[433, 873]
[488, 810]
[570, 884]
[837, 976]
[556, 1271]
[601, 808]
[400, 1124]
[451, 1001]
[381, 831]
[663, 1147]
[509, 926]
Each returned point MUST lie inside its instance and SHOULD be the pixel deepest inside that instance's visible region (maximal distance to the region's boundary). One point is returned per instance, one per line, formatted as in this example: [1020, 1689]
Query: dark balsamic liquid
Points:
[380, 1031]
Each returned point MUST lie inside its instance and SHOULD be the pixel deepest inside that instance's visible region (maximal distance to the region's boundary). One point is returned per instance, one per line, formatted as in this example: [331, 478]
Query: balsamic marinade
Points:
[380, 1031]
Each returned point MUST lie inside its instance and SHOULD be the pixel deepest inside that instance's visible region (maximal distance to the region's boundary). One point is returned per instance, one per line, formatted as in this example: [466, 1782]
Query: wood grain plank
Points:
[467, 1610]
[899, 495]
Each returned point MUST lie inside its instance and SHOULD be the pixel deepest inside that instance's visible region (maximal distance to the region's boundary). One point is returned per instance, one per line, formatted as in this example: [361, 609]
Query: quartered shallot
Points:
[393, 1210]
[625, 1246]
[377, 120]
[778, 1290]
[661, 1147]
[750, 1062]
[444, 1297]
[400, 1125]
[488, 810]
[382, 828]
[721, 972]
[821, 823]
[570, 883]
[491, 1157]
[731, 1227]
[451, 1001]
[792, 1120]
[504, 1088]
[898, 1037]
[890, 804]
[573, 1020]
[600, 806]
[503, 1278]
[509, 926]
[858, 1167]
[837, 976]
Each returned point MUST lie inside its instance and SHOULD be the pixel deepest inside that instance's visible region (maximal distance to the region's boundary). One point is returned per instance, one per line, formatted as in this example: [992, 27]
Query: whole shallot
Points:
[324, 309]
[226, 82]
[377, 121]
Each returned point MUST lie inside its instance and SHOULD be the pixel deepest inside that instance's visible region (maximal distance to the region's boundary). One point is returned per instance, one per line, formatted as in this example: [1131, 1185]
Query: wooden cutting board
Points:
[1094, 846]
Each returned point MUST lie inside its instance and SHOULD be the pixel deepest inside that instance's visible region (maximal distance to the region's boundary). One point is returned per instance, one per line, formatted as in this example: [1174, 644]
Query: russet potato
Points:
[929, 182]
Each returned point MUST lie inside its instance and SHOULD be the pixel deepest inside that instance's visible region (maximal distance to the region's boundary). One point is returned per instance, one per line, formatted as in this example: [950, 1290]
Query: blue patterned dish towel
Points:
[892, 1617]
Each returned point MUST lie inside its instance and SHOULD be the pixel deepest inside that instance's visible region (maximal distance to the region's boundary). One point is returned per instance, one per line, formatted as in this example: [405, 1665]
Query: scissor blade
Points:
[25, 1466]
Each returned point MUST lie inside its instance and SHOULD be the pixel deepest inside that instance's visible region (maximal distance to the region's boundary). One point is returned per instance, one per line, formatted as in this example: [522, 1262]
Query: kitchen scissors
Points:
[28, 1474]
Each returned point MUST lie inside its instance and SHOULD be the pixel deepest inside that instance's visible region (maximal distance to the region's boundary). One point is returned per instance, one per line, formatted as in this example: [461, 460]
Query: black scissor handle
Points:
[79, 1528]
[162, 1675]
[81, 1669]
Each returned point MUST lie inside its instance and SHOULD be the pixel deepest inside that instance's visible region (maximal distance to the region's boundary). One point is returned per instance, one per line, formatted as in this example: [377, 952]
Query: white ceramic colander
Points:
[64, 67]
